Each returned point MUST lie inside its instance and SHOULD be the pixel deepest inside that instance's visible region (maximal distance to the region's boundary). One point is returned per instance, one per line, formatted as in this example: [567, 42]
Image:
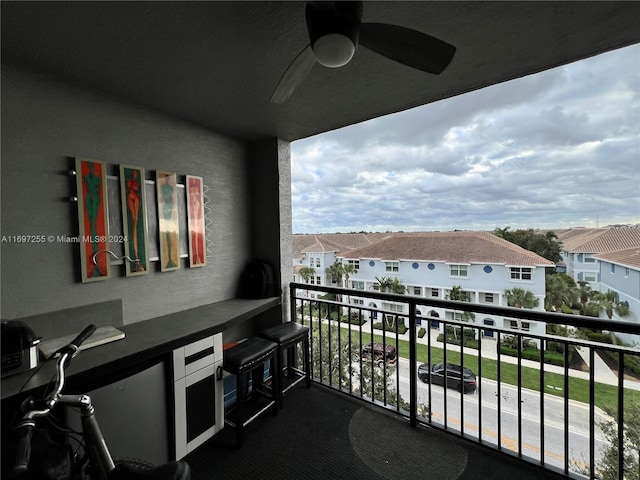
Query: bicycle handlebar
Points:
[23, 448]
[73, 347]
[24, 430]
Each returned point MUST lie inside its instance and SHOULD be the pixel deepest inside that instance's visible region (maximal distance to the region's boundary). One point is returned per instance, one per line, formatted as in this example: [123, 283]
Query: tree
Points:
[584, 293]
[504, 233]
[546, 245]
[398, 287]
[335, 272]
[306, 273]
[391, 285]
[332, 362]
[610, 303]
[561, 290]
[384, 283]
[521, 298]
[348, 269]
[607, 468]
[459, 295]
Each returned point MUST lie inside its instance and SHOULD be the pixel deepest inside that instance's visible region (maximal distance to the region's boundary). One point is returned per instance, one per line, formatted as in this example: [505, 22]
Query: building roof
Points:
[450, 247]
[340, 243]
[600, 240]
[629, 257]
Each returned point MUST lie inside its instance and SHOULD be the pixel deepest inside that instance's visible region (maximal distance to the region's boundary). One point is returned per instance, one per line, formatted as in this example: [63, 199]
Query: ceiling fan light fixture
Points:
[333, 50]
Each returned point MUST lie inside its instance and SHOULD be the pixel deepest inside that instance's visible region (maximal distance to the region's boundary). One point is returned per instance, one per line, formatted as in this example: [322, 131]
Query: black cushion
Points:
[285, 332]
[247, 352]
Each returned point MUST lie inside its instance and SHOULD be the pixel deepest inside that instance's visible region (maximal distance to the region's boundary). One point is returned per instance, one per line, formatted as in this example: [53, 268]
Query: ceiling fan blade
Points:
[293, 75]
[407, 46]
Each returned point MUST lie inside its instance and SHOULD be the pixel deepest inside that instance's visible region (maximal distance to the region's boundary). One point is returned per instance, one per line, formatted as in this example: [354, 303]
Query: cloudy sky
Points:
[552, 150]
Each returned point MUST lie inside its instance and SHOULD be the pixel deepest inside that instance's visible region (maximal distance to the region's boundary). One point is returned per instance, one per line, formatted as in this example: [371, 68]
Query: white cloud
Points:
[556, 149]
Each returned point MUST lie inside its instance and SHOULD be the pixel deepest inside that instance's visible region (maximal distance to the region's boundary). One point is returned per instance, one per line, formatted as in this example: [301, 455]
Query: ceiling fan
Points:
[335, 30]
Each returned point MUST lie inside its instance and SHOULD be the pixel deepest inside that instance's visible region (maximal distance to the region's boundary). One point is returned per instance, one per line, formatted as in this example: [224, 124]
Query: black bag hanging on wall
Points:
[258, 280]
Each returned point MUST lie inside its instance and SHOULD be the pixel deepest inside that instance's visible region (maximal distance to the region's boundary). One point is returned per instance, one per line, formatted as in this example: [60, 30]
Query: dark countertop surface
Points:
[145, 343]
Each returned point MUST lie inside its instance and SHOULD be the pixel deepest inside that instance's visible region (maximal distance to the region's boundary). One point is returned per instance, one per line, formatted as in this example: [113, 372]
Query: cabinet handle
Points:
[219, 372]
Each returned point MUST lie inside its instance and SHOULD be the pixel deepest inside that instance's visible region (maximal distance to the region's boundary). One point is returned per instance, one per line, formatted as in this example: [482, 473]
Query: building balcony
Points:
[561, 410]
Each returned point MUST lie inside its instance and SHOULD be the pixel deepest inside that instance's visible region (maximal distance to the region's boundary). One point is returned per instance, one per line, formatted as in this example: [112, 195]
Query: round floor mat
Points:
[394, 450]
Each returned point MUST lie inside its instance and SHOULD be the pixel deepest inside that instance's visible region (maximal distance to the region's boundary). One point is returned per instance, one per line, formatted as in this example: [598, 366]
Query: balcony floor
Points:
[323, 434]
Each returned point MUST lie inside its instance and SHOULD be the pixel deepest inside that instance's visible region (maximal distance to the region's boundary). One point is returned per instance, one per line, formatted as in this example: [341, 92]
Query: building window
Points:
[590, 277]
[613, 268]
[435, 292]
[521, 273]
[318, 262]
[318, 281]
[357, 301]
[357, 285]
[589, 259]
[393, 307]
[355, 263]
[525, 326]
[391, 266]
[459, 270]
[417, 291]
[627, 271]
[460, 317]
[312, 280]
[488, 297]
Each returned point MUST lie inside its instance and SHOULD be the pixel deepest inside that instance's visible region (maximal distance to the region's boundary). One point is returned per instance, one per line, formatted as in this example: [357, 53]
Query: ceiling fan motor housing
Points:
[333, 31]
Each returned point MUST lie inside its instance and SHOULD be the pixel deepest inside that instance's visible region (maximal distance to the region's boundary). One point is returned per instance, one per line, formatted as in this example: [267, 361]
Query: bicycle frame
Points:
[95, 445]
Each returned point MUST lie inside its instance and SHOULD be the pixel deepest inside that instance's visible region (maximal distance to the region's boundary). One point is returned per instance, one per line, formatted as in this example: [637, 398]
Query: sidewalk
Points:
[603, 374]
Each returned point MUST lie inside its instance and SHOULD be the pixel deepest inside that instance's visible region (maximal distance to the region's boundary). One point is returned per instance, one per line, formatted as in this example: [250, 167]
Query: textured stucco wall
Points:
[45, 124]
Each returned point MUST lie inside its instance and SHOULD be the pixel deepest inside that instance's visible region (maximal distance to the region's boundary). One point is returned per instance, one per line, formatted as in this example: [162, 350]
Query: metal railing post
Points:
[413, 367]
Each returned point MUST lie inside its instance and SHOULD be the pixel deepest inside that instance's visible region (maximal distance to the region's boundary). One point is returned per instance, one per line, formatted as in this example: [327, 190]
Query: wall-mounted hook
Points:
[73, 199]
[72, 173]
[137, 260]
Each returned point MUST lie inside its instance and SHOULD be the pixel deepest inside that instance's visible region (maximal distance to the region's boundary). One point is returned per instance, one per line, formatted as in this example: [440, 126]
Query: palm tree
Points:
[503, 233]
[610, 303]
[398, 287]
[584, 292]
[306, 273]
[348, 269]
[335, 271]
[521, 298]
[561, 290]
[384, 283]
[391, 285]
[459, 295]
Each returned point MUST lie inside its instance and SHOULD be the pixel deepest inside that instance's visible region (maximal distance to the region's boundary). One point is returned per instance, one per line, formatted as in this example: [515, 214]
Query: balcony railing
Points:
[557, 401]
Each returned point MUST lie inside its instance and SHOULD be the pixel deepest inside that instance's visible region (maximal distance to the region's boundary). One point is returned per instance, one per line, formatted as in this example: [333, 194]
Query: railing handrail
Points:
[309, 307]
[523, 313]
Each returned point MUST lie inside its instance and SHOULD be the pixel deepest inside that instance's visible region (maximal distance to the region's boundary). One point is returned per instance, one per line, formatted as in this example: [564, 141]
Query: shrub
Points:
[421, 332]
[401, 328]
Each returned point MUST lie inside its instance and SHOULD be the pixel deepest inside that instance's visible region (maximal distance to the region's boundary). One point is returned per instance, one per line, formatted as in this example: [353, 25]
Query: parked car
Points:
[462, 379]
[378, 351]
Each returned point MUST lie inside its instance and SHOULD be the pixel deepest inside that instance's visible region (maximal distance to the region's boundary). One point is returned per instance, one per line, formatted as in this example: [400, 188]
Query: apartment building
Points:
[609, 259]
[581, 245]
[619, 271]
[430, 265]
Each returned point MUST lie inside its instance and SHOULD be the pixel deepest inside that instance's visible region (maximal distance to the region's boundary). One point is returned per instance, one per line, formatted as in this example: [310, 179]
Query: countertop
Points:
[145, 343]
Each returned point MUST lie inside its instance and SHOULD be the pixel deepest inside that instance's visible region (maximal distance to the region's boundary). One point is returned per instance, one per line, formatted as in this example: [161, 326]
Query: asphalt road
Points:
[530, 419]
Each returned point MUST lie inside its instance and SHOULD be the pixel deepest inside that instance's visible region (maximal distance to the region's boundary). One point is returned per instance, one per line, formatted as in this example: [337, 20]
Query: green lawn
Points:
[606, 396]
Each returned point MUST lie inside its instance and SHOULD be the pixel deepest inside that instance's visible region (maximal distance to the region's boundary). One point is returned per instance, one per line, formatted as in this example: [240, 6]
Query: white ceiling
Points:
[217, 63]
